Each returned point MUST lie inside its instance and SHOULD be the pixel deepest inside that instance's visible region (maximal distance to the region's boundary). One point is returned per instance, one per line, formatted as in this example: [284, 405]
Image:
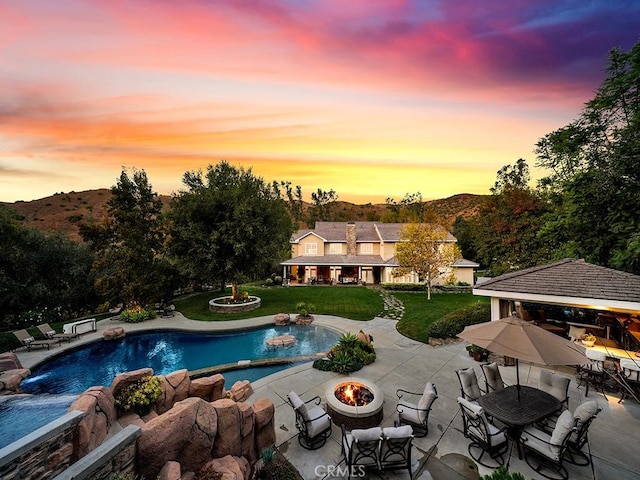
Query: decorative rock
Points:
[113, 333]
[98, 406]
[170, 471]
[130, 418]
[227, 440]
[175, 388]
[364, 337]
[282, 319]
[188, 476]
[10, 380]
[9, 361]
[184, 434]
[123, 380]
[208, 388]
[300, 320]
[281, 341]
[246, 432]
[241, 390]
[264, 428]
[231, 467]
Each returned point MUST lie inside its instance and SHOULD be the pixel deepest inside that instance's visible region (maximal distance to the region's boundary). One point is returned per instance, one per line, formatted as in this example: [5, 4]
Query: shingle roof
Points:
[569, 278]
[336, 232]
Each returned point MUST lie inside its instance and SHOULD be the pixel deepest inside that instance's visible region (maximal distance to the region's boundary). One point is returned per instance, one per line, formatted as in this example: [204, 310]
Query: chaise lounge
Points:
[50, 333]
[28, 341]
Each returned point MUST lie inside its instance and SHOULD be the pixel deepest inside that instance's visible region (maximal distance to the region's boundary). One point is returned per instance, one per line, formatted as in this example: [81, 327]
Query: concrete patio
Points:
[407, 364]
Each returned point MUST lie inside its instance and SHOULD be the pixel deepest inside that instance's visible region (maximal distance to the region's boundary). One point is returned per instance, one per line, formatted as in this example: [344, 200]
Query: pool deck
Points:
[404, 363]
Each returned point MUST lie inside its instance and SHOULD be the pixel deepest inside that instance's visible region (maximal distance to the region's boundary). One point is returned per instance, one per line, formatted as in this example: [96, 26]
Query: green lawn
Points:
[356, 303]
[419, 312]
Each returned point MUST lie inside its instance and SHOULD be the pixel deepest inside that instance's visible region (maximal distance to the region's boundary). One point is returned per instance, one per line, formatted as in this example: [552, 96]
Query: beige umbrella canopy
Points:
[524, 341]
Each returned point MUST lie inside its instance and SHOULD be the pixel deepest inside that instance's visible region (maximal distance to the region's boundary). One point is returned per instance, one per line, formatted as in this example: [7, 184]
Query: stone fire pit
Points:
[354, 403]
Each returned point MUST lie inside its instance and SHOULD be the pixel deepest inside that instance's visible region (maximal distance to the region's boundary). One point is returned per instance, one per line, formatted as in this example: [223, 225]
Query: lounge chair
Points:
[50, 333]
[28, 341]
[313, 423]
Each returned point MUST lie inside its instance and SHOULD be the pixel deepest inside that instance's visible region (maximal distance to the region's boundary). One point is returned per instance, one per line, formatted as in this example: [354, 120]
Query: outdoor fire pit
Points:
[354, 403]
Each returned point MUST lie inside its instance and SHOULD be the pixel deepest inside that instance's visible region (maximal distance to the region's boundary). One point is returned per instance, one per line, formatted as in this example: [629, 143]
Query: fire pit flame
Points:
[354, 394]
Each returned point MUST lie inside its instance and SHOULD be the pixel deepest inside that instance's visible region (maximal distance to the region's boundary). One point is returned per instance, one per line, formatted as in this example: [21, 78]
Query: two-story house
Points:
[354, 252]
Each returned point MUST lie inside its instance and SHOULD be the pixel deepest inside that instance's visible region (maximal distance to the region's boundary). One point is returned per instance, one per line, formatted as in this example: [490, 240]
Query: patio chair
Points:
[593, 373]
[28, 341]
[395, 449]
[630, 378]
[492, 378]
[314, 424]
[544, 452]
[556, 385]
[469, 388]
[361, 449]
[583, 416]
[49, 332]
[485, 436]
[416, 415]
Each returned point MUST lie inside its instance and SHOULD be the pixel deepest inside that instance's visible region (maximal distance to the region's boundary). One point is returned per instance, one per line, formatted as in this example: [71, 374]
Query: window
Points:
[310, 248]
[335, 248]
[366, 248]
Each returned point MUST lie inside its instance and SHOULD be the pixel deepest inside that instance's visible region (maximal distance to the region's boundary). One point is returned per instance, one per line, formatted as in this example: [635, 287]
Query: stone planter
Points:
[217, 305]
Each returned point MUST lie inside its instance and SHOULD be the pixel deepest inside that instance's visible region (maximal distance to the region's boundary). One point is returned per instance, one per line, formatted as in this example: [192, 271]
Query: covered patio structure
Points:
[610, 295]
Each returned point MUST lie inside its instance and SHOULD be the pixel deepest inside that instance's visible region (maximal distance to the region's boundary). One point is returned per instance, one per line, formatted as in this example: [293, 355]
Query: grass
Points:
[419, 312]
[353, 302]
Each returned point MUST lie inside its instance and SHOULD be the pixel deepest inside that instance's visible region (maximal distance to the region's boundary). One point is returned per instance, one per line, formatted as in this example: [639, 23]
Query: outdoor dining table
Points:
[517, 410]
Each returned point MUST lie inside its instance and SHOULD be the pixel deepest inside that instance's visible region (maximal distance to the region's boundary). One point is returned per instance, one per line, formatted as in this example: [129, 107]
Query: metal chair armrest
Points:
[400, 391]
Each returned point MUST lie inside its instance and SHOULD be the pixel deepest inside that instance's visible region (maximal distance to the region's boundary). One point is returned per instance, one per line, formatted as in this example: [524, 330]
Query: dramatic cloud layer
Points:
[373, 99]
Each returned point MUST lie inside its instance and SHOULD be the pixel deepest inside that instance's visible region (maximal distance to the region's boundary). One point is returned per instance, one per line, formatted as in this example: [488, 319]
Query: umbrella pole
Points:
[518, 378]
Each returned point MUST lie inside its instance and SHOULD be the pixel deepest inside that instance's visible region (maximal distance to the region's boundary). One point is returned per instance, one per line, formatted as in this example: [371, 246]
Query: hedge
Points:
[453, 323]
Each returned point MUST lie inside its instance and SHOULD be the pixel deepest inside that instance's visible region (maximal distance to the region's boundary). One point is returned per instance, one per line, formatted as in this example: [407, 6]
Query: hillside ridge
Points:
[64, 212]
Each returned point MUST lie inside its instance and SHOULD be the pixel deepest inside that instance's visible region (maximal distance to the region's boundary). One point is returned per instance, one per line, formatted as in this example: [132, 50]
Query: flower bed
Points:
[227, 304]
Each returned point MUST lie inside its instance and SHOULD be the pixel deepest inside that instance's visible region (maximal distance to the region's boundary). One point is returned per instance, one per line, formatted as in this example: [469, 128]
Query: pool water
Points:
[98, 363]
[23, 414]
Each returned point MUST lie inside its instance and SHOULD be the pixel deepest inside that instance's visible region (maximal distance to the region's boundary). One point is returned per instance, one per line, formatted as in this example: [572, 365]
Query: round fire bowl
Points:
[369, 415]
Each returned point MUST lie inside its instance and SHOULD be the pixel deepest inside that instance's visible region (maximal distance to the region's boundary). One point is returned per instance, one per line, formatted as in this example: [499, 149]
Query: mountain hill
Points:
[63, 212]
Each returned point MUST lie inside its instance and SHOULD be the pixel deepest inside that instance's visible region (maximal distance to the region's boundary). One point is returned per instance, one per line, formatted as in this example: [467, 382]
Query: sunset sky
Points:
[370, 98]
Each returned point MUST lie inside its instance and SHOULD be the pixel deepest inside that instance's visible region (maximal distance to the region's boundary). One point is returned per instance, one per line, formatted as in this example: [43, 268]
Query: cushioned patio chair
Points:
[593, 373]
[416, 415]
[395, 450]
[361, 449]
[28, 341]
[544, 452]
[49, 332]
[469, 388]
[485, 436]
[313, 424]
[583, 416]
[556, 385]
[492, 378]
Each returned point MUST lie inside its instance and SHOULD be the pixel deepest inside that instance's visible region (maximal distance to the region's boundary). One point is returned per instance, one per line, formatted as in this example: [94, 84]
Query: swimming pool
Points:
[166, 351]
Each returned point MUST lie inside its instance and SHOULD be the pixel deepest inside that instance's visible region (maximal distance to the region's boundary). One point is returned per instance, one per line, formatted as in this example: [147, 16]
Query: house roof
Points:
[568, 281]
[336, 232]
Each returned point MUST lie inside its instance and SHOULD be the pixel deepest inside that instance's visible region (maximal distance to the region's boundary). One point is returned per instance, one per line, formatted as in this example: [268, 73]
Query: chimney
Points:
[351, 238]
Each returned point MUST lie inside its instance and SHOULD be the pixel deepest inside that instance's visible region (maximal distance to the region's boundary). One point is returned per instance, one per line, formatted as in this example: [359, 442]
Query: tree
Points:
[409, 209]
[505, 231]
[228, 225]
[323, 203]
[424, 249]
[43, 277]
[128, 244]
[595, 171]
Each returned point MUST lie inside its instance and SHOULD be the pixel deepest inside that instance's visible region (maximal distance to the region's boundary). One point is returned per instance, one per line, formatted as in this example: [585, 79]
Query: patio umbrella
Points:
[516, 338]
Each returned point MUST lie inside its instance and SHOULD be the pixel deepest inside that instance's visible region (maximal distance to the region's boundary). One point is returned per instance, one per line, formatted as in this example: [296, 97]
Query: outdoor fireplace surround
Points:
[355, 416]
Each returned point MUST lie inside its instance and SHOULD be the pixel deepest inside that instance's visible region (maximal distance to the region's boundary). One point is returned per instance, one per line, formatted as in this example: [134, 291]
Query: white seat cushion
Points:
[367, 434]
[298, 404]
[425, 402]
[409, 413]
[564, 425]
[404, 431]
[554, 384]
[469, 383]
[539, 440]
[321, 423]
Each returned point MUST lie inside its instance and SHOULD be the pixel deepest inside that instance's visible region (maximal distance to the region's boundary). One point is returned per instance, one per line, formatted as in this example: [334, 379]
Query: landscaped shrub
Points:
[268, 282]
[349, 355]
[140, 396]
[453, 323]
[137, 314]
[502, 473]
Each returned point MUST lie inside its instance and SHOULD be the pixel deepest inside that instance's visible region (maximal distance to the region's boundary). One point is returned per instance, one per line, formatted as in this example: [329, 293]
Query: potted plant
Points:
[588, 340]
[304, 310]
[478, 353]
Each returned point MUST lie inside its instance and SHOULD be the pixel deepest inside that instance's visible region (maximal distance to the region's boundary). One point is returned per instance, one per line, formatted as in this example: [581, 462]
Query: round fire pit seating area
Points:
[363, 407]
[225, 305]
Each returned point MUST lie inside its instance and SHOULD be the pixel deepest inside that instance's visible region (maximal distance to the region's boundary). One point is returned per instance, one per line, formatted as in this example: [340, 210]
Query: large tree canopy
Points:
[128, 244]
[228, 225]
[595, 165]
